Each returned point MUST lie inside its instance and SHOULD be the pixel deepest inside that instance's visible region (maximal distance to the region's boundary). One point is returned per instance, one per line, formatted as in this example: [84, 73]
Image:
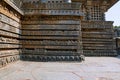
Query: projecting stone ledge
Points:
[10, 3]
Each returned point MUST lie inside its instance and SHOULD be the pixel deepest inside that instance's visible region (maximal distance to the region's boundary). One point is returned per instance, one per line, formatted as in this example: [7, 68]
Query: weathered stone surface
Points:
[97, 38]
[9, 34]
[52, 28]
[55, 30]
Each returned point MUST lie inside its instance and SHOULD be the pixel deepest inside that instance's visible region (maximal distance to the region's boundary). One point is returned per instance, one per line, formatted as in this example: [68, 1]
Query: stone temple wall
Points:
[54, 32]
[9, 34]
[98, 38]
[51, 32]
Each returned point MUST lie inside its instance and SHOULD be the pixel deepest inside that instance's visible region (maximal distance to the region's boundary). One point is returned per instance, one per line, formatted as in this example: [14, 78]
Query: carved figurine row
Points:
[4, 9]
[6, 60]
[52, 58]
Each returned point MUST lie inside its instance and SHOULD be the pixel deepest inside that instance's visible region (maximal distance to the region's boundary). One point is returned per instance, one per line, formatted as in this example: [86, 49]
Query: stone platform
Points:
[94, 68]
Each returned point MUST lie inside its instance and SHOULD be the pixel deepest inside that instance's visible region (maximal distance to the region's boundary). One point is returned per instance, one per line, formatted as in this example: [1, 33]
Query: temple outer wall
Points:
[98, 38]
[10, 25]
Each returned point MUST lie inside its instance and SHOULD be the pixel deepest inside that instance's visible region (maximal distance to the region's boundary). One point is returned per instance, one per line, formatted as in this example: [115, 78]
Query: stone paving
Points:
[94, 68]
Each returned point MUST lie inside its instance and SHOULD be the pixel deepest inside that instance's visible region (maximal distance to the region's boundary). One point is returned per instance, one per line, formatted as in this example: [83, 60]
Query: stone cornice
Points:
[14, 6]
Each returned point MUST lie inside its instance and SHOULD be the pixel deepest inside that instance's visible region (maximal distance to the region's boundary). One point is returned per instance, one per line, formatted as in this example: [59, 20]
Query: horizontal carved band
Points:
[9, 40]
[51, 53]
[98, 33]
[9, 21]
[9, 52]
[48, 42]
[42, 51]
[52, 58]
[99, 45]
[4, 33]
[100, 53]
[50, 37]
[52, 22]
[51, 27]
[52, 47]
[9, 28]
[5, 46]
[97, 40]
[97, 23]
[98, 36]
[54, 12]
[50, 33]
[8, 12]
[57, 6]
[100, 48]
[50, 18]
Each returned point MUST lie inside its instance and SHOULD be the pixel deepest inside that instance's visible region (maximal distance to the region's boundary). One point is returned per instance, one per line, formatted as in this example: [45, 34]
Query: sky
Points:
[113, 14]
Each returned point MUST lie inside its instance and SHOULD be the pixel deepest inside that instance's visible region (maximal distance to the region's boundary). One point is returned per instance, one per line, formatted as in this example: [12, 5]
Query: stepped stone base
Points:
[51, 58]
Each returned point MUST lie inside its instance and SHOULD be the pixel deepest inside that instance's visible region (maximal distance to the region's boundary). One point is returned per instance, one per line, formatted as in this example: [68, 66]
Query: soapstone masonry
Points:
[55, 30]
